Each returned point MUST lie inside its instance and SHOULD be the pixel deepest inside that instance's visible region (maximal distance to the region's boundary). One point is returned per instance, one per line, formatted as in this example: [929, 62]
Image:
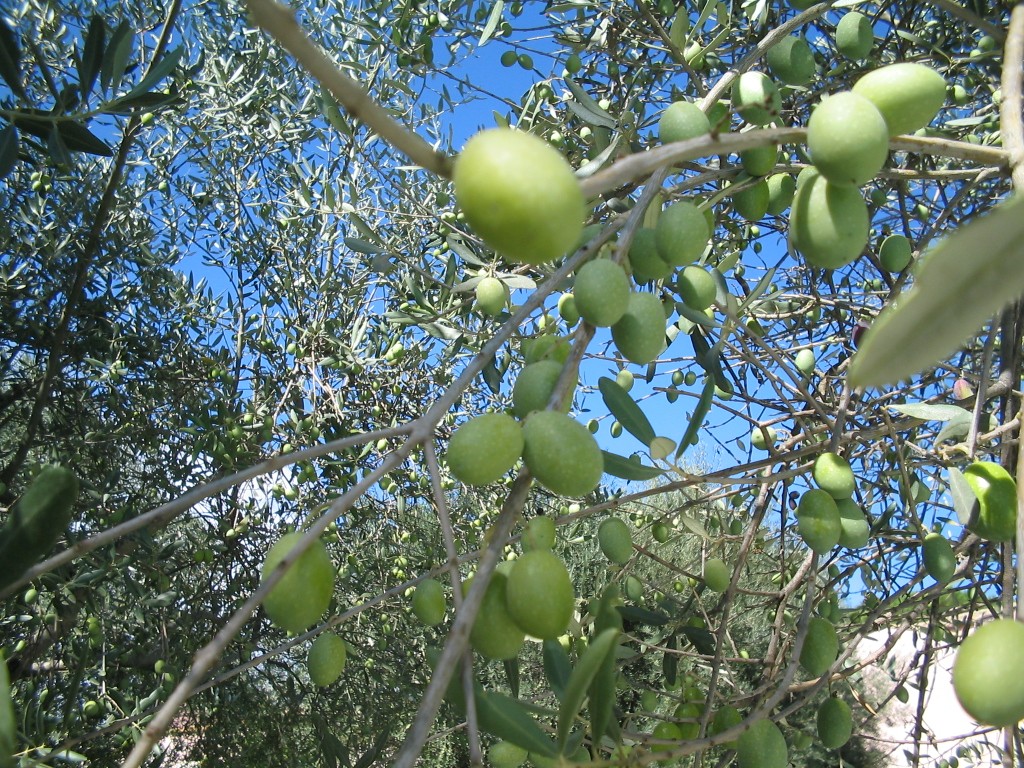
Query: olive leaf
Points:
[965, 280]
[628, 469]
[628, 413]
[579, 681]
[8, 724]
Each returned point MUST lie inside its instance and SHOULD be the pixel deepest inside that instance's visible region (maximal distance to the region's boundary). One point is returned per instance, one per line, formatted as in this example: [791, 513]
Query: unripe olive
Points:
[519, 194]
[755, 97]
[752, 202]
[534, 387]
[304, 592]
[847, 139]
[615, 540]
[828, 223]
[697, 288]
[326, 659]
[835, 723]
[820, 648]
[907, 94]
[540, 597]
[759, 161]
[791, 61]
[640, 332]
[682, 233]
[818, 521]
[682, 120]
[644, 258]
[895, 253]
[602, 292]
[781, 188]
[491, 296]
[854, 36]
[484, 448]
[561, 453]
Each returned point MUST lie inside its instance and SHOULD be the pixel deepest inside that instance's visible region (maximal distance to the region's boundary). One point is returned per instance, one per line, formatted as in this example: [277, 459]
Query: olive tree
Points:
[797, 481]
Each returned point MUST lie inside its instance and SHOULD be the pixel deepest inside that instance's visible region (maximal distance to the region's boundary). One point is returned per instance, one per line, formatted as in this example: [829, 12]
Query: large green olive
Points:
[828, 223]
[519, 194]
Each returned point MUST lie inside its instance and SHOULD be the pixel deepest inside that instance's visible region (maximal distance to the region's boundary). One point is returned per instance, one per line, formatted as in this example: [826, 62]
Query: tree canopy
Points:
[759, 261]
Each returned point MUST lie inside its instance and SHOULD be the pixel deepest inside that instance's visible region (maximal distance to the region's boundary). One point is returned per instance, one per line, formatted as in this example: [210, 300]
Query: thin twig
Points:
[279, 21]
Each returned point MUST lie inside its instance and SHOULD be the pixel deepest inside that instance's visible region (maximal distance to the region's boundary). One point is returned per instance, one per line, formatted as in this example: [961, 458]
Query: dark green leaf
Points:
[586, 108]
[602, 698]
[629, 469]
[670, 660]
[626, 411]
[492, 21]
[506, 718]
[965, 279]
[125, 105]
[92, 55]
[158, 72]
[57, 149]
[703, 640]
[556, 666]
[579, 681]
[492, 377]
[699, 414]
[115, 57]
[10, 59]
[640, 615]
[8, 150]
[78, 138]
[512, 676]
[761, 287]
[709, 359]
[362, 246]
[369, 757]
[8, 724]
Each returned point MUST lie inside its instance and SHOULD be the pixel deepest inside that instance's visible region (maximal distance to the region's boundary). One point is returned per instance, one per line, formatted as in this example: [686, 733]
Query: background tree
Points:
[214, 272]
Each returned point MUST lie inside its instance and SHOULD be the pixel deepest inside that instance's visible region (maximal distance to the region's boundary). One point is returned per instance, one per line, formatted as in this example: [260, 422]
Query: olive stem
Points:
[1010, 110]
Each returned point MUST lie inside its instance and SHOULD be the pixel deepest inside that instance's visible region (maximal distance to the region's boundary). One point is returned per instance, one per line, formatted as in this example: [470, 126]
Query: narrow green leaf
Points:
[670, 660]
[492, 376]
[639, 615]
[602, 696]
[92, 55]
[556, 667]
[966, 279]
[10, 59]
[709, 358]
[9, 146]
[579, 681]
[493, 19]
[506, 718]
[629, 469]
[8, 724]
[954, 429]
[78, 138]
[703, 640]
[512, 676]
[362, 246]
[369, 757]
[932, 411]
[699, 414]
[755, 293]
[965, 502]
[58, 149]
[628, 413]
[587, 108]
[158, 72]
[115, 57]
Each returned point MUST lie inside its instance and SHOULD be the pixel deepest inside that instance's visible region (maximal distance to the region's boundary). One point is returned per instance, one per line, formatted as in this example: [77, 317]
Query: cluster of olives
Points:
[828, 515]
[848, 142]
[531, 595]
[301, 598]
